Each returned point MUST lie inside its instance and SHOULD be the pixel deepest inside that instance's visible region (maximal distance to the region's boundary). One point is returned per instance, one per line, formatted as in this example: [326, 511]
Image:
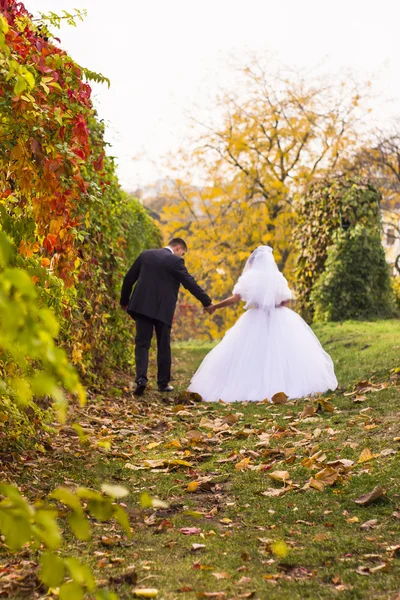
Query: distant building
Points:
[391, 238]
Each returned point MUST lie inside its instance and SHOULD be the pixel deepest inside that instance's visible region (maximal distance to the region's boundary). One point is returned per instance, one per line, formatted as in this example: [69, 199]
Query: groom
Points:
[158, 275]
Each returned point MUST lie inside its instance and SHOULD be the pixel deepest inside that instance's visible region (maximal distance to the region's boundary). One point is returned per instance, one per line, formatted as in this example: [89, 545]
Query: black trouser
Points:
[144, 333]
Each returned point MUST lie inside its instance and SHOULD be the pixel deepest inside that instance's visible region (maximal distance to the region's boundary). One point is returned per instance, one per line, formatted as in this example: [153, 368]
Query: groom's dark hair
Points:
[177, 242]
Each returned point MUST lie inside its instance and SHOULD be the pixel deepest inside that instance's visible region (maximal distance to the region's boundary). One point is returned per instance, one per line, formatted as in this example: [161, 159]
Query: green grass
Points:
[238, 524]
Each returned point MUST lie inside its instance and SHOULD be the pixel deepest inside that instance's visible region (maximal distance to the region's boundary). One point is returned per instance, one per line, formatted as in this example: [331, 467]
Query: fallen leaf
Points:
[154, 463]
[325, 405]
[353, 520]
[317, 485]
[153, 445]
[210, 595]
[363, 570]
[196, 547]
[231, 419]
[308, 411]
[328, 476]
[194, 435]
[145, 592]
[388, 452]
[244, 581]
[243, 465]
[178, 462]
[280, 475]
[192, 486]
[366, 499]
[222, 575]
[279, 398]
[190, 530]
[380, 567]
[344, 462]
[365, 455]
[369, 525]
[275, 492]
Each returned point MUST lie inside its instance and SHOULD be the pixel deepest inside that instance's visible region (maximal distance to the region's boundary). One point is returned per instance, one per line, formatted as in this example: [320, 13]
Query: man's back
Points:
[158, 274]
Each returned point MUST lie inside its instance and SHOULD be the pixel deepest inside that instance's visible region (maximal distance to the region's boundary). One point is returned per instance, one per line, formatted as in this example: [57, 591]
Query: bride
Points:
[270, 348]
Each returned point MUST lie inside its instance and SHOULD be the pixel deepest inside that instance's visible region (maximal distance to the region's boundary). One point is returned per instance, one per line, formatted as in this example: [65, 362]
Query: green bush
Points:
[329, 206]
[356, 282]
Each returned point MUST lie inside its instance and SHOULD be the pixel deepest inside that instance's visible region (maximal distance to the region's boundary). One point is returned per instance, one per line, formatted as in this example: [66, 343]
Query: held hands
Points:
[210, 309]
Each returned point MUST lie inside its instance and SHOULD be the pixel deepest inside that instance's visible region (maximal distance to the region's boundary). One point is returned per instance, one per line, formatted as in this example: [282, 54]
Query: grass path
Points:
[260, 497]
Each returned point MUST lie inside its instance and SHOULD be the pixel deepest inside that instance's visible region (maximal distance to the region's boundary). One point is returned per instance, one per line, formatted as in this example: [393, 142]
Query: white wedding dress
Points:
[270, 348]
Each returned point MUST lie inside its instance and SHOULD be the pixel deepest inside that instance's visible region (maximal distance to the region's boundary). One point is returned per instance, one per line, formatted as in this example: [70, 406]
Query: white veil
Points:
[261, 284]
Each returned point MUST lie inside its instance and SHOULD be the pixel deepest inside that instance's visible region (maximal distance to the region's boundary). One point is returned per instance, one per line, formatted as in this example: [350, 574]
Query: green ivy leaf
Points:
[52, 569]
[101, 509]
[71, 591]
[21, 389]
[19, 86]
[122, 517]
[80, 573]
[48, 529]
[16, 530]
[68, 498]
[80, 526]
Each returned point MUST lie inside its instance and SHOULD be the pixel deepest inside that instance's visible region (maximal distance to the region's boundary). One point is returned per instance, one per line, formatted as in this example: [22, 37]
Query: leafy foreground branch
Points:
[36, 525]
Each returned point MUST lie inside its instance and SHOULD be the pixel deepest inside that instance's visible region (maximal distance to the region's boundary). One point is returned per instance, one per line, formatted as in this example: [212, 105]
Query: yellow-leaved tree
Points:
[273, 138]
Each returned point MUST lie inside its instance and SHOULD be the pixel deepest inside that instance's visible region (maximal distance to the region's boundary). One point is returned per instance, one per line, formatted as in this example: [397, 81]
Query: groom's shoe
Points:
[140, 388]
[165, 388]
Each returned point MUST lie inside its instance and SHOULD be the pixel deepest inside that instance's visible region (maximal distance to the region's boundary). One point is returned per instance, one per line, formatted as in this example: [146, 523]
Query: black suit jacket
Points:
[158, 275]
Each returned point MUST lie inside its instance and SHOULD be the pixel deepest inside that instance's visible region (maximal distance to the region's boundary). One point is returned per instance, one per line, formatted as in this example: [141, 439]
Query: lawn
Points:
[260, 498]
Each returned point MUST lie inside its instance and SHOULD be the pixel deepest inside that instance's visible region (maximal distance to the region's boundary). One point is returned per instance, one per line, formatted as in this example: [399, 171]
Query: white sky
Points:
[165, 57]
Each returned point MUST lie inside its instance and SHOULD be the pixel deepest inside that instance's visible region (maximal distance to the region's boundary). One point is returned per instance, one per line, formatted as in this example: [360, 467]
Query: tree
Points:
[331, 205]
[272, 140]
[355, 283]
[380, 162]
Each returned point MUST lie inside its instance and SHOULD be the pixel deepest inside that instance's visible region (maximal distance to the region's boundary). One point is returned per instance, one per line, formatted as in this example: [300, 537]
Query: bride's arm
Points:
[227, 302]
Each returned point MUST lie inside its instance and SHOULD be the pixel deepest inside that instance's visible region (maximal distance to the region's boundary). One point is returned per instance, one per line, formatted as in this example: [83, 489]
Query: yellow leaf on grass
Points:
[173, 444]
[179, 462]
[328, 476]
[192, 486]
[317, 485]
[280, 548]
[243, 465]
[353, 520]
[153, 445]
[146, 593]
[365, 455]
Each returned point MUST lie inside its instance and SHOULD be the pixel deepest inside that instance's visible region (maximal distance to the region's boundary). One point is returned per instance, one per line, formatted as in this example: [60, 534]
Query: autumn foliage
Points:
[272, 140]
[72, 228]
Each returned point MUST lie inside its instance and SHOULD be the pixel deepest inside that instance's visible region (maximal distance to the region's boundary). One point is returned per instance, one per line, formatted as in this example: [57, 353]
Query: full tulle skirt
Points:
[264, 353]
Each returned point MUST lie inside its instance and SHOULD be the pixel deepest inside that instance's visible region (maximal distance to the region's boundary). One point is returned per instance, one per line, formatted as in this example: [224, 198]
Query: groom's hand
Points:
[210, 309]
[125, 308]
